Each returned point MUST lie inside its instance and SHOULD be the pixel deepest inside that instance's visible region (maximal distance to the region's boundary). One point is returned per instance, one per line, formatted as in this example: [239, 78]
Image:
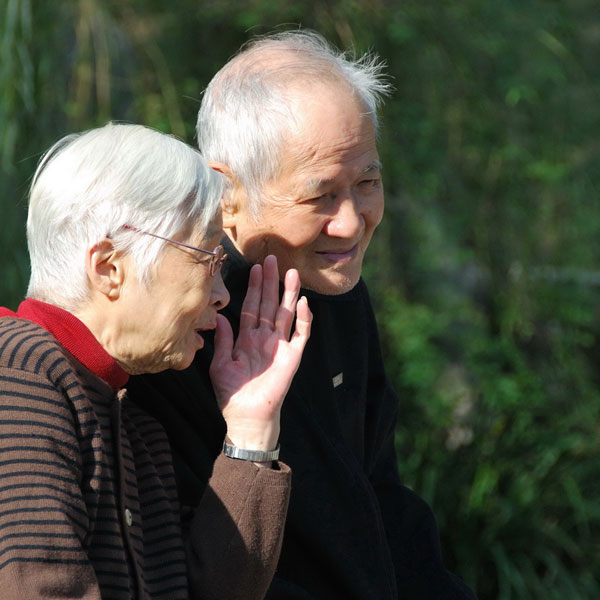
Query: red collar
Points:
[71, 333]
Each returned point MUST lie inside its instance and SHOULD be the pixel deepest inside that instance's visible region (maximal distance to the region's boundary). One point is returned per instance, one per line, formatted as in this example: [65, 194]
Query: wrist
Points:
[263, 438]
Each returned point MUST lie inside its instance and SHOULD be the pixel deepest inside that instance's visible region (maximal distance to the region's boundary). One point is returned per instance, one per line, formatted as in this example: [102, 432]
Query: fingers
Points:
[303, 324]
[261, 305]
[262, 298]
[285, 312]
[223, 342]
[270, 291]
[250, 307]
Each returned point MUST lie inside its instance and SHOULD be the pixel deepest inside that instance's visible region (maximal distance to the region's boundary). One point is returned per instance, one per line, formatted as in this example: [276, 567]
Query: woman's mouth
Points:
[199, 338]
[199, 330]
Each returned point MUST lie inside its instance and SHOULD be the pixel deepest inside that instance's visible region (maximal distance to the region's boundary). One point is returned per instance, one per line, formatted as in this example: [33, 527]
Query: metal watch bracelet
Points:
[253, 455]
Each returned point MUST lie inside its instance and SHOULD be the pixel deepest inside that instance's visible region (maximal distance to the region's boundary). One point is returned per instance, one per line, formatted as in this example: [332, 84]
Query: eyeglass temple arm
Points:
[160, 237]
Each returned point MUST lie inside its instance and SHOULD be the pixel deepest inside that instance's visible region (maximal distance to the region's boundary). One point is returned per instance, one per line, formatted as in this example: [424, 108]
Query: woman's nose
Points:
[220, 294]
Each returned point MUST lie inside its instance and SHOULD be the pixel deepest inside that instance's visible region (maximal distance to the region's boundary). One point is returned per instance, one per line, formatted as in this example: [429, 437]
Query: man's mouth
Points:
[339, 255]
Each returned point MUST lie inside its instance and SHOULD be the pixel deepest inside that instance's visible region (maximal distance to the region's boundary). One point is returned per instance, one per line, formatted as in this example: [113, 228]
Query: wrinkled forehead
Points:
[330, 125]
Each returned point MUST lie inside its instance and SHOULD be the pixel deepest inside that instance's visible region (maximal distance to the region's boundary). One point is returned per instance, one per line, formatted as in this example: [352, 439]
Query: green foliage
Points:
[488, 286]
[503, 443]
[484, 271]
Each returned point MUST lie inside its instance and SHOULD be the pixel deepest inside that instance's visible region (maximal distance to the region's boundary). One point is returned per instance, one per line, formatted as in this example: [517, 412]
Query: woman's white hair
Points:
[246, 109]
[89, 185]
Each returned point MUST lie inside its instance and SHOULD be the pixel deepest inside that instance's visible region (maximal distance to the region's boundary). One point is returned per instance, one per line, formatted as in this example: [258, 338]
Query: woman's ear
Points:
[105, 269]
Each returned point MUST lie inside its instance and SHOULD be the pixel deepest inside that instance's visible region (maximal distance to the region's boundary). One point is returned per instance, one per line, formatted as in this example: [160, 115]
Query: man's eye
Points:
[370, 183]
[321, 198]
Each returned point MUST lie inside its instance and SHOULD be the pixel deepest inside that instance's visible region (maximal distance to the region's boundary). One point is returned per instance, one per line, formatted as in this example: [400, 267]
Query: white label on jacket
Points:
[338, 379]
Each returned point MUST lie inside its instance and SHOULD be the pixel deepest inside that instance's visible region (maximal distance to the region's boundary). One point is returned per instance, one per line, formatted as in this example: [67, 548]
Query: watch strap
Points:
[253, 455]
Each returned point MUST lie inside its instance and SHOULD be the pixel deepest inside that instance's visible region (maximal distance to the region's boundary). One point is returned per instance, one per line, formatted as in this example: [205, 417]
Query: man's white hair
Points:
[246, 109]
[89, 185]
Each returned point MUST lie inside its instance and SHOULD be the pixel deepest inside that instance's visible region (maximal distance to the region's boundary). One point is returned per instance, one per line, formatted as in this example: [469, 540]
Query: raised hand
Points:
[252, 376]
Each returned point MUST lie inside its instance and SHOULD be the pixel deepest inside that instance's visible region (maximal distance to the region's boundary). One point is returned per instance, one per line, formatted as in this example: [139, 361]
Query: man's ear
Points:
[105, 269]
[234, 197]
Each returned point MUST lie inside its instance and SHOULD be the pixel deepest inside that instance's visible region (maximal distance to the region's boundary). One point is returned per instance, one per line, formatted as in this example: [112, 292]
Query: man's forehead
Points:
[331, 138]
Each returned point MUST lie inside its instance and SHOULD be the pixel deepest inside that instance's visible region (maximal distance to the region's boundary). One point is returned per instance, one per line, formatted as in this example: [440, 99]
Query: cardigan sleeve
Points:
[43, 517]
[235, 537]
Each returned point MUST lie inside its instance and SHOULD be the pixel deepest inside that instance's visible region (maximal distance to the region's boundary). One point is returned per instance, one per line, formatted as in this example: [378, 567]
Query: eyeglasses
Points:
[217, 256]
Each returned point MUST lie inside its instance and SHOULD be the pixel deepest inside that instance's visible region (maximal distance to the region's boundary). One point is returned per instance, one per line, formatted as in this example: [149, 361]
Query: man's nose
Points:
[219, 293]
[348, 221]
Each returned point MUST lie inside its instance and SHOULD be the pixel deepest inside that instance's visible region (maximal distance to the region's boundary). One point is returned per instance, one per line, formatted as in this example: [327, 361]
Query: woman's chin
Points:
[157, 361]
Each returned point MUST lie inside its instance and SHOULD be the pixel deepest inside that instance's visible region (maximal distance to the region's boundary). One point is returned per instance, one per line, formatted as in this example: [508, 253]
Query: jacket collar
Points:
[74, 336]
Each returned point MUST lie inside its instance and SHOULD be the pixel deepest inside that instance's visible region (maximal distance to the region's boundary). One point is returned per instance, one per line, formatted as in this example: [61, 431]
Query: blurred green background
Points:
[485, 272]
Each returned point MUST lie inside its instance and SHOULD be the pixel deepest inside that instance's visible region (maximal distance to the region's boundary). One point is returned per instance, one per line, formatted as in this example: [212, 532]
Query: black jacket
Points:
[353, 530]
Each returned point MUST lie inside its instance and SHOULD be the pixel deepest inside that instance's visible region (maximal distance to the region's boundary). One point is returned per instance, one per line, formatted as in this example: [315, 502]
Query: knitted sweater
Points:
[88, 502]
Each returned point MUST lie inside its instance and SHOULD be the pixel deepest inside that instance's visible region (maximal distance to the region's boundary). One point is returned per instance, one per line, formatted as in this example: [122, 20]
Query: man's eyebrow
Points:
[314, 185]
[374, 166]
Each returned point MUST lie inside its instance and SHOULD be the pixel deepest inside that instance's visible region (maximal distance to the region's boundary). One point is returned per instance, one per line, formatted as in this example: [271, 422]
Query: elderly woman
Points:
[123, 233]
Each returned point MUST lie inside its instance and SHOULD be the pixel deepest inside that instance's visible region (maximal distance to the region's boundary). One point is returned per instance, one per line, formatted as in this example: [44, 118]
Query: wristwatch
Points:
[253, 455]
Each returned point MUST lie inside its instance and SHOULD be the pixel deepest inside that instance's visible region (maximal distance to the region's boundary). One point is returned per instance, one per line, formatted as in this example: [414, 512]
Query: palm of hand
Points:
[252, 376]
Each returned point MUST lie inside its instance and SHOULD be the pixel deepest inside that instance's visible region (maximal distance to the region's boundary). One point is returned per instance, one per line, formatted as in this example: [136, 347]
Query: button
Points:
[128, 517]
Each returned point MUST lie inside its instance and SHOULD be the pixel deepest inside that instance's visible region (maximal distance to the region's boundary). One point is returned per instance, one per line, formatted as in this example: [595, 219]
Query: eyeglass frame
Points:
[218, 255]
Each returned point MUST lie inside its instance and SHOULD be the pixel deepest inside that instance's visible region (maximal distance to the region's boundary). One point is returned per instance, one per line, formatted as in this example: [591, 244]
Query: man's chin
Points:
[331, 285]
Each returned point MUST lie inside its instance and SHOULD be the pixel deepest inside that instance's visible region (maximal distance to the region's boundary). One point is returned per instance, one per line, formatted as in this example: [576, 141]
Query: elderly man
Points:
[292, 124]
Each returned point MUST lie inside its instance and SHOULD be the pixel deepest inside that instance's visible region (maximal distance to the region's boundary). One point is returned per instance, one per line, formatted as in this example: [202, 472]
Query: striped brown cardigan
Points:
[88, 505]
